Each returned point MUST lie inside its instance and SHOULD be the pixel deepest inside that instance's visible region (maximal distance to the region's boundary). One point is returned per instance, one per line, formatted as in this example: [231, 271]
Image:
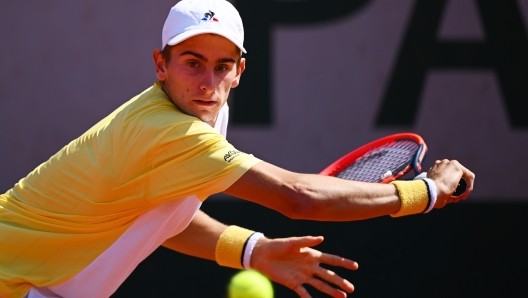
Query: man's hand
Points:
[446, 174]
[292, 263]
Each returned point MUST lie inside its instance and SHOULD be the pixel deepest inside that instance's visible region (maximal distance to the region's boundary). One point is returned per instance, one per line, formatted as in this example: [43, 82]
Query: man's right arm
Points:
[317, 197]
[291, 261]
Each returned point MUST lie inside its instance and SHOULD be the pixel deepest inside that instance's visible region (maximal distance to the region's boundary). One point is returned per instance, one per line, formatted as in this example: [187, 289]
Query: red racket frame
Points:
[351, 157]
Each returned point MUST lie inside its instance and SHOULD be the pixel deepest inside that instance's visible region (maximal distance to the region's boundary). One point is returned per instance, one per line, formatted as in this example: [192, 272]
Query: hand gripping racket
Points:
[385, 160]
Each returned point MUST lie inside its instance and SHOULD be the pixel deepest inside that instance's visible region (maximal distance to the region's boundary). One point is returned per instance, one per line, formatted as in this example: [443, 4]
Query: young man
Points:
[80, 223]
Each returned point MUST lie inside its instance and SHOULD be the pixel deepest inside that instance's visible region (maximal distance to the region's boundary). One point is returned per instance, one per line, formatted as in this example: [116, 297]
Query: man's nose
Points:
[208, 81]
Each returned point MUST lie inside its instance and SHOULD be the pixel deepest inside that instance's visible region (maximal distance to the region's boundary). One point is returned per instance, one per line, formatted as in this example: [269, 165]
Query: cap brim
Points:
[190, 33]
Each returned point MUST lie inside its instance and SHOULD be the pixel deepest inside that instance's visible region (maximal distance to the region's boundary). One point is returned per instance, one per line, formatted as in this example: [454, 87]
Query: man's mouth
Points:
[207, 103]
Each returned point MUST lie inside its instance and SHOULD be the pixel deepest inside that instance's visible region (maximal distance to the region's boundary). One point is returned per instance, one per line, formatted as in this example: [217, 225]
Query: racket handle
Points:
[460, 190]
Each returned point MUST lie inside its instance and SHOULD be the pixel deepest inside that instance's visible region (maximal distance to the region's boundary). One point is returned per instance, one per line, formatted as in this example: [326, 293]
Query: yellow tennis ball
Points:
[249, 284]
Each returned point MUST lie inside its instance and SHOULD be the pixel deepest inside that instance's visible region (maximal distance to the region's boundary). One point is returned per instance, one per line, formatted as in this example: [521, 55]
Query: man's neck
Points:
[211, 123]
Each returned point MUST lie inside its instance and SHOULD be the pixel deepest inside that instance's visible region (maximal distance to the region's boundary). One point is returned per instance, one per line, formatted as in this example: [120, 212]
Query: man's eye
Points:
[192, 64]
[222, 68]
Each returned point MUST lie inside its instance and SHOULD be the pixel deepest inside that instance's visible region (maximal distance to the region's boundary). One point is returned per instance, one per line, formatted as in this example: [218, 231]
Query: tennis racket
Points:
[385, 160]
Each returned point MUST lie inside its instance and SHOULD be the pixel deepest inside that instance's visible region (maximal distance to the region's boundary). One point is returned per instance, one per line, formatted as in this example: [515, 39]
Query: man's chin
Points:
[209, 119]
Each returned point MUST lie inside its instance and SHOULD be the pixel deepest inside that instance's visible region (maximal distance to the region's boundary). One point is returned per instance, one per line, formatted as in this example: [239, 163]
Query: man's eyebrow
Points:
[226, 60]
[201, 57]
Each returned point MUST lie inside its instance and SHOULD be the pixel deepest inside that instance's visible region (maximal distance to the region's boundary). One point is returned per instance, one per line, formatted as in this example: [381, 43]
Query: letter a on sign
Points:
[504, 50]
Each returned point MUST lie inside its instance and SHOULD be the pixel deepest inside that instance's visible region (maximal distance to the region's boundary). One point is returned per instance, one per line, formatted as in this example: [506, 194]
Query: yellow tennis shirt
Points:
[71, 208]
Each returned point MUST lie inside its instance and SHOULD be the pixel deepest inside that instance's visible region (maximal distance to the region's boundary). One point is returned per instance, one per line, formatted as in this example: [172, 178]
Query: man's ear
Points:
[159, 65]
[240, 70]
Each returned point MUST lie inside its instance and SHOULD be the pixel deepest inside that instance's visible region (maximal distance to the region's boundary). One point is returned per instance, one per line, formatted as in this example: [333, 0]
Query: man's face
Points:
[201, 72]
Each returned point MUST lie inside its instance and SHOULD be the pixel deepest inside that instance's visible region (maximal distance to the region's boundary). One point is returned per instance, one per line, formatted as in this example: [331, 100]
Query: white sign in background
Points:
[64, 66]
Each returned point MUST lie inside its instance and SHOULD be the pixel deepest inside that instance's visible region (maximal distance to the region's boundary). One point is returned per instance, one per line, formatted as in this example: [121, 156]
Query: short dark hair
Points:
[166, 53]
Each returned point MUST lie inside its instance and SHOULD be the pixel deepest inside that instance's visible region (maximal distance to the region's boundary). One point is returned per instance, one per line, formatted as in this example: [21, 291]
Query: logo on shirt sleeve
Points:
[231, 155]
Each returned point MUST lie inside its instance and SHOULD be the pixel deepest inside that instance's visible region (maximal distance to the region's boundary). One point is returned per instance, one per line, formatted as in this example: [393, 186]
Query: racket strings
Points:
[372, 167]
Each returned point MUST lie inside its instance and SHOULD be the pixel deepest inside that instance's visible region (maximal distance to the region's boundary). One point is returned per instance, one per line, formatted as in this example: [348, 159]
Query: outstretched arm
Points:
[288, 261]
[314, 197]
[199, 238]
[317, 197]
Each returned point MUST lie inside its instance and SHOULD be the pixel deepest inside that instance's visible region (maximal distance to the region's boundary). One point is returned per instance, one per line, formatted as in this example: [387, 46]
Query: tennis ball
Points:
[249, 284]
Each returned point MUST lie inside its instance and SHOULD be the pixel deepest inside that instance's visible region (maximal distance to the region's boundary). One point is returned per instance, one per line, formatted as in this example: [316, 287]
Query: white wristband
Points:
[432, 190]
[250, 244]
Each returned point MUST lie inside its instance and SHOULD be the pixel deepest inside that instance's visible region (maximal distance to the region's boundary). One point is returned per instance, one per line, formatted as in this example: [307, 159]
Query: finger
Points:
[301, 291]
[442, 162]
[332, 277]
[338, 261]
[306, 241]
[470, 179]
[323, 287]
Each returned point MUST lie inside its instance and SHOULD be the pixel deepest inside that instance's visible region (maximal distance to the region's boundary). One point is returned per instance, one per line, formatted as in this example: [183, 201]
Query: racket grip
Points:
[460, 190]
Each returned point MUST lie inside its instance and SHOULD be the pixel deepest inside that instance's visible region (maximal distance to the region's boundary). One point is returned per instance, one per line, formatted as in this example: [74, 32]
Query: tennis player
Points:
[80, 223]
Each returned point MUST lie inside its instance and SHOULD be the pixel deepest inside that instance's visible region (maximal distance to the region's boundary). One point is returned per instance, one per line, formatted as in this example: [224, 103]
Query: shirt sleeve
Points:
[194, 159]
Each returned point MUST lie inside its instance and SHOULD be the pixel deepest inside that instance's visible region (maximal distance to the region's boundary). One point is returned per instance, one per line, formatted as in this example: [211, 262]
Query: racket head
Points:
[397, 153]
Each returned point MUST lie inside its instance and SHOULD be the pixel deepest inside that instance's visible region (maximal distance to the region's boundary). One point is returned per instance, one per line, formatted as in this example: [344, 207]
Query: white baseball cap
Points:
[192, 17]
